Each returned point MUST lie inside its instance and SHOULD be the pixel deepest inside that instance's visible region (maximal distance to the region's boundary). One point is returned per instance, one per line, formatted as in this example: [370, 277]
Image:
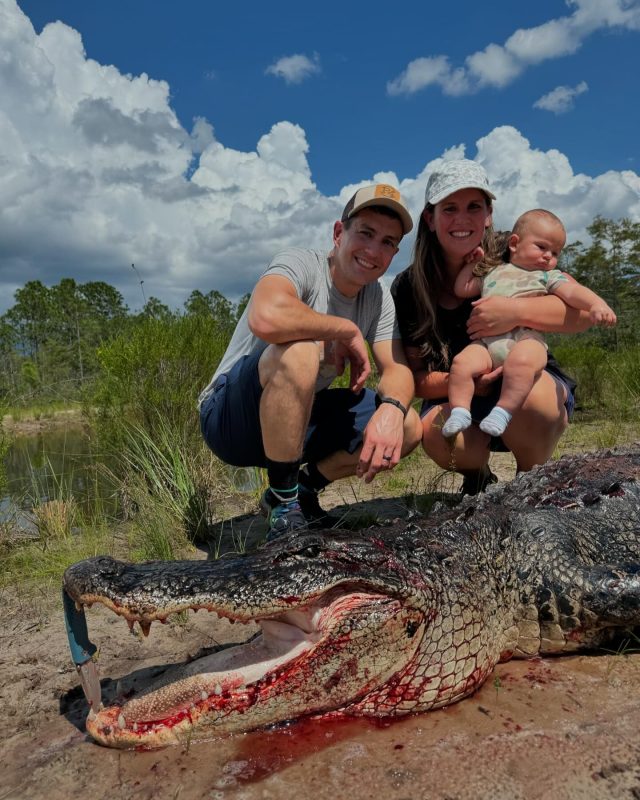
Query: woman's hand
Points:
[492, 316]
[484, 383]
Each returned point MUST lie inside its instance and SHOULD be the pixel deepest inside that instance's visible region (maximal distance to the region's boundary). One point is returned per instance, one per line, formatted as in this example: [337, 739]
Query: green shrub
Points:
[155, 371]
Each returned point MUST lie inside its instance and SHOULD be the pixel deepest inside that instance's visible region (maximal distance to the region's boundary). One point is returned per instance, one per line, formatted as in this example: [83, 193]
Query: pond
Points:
[54, 464]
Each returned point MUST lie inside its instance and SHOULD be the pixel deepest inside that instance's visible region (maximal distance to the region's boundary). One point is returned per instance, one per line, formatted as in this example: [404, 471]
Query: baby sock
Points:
[495, 423]
[459, 420]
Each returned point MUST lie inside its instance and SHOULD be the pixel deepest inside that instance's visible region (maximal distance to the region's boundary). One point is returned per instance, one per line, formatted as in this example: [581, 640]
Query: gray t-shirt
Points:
[372, 309]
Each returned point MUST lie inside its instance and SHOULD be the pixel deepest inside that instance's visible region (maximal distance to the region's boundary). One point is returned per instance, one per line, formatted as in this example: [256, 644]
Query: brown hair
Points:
[427, 278]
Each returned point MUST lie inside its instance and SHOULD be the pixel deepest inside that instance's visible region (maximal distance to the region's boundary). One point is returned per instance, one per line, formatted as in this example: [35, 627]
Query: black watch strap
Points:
[392, 401]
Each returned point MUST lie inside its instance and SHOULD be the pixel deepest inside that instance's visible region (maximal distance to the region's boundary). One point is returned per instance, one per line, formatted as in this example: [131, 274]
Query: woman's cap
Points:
[380, 194]
[452, 176]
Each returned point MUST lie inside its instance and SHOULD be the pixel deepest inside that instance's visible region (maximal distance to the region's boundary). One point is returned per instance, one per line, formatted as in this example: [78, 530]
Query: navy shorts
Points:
[481, 406]
[230, 418]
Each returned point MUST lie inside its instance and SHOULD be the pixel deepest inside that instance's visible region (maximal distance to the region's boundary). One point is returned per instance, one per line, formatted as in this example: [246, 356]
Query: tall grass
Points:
[175, 489]
[608, 380]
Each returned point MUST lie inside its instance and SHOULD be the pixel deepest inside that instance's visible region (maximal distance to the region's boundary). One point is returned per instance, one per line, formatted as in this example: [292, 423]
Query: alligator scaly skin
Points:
[413, 616]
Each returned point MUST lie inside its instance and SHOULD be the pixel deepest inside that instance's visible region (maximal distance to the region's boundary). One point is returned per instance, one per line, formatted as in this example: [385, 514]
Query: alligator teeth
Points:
[146, 627]
[130, 624]
[204, 696]
[217, 689]
[122, 723]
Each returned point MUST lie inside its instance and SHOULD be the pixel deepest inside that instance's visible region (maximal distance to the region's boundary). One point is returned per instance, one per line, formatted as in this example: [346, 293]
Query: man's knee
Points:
[294, 364]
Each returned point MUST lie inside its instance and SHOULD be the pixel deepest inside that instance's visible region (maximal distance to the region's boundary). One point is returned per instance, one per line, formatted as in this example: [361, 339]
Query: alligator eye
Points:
[310, 551]
[411, 628]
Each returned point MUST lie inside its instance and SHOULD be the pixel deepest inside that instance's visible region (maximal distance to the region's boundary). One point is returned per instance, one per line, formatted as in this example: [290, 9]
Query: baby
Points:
[535, 244]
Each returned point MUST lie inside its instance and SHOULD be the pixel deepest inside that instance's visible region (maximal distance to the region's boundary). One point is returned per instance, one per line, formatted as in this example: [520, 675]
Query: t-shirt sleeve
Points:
[296, 266]
[555, 278]
[406, 310]
[386, 325]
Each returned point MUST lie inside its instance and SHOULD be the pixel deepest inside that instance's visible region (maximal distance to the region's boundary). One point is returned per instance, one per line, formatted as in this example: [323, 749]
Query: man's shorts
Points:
[230, 418]
[481, 406]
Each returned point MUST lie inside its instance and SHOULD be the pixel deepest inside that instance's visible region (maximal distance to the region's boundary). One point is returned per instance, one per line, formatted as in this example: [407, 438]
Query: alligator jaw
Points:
[309, 660]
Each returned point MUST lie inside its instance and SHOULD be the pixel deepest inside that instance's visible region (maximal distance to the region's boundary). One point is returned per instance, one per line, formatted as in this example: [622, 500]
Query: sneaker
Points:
[477, 482]
[284, 518]
[316, 516]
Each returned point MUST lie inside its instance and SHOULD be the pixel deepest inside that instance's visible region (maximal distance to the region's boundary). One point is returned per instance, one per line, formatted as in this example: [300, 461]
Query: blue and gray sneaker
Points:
[282, 517]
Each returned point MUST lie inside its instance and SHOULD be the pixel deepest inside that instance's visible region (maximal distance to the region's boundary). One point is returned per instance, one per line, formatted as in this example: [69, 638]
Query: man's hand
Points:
[382, 445]
[484, 383]
[355, 351]
[492, 316]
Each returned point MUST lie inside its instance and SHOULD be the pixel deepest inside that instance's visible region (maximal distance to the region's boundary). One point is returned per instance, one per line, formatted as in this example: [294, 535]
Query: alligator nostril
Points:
[411, 628]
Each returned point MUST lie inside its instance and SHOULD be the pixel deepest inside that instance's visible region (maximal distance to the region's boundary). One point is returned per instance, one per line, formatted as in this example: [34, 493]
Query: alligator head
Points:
[390, 621]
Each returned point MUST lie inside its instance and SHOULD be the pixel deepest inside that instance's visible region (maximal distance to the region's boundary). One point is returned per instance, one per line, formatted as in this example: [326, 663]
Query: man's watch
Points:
[392, 401]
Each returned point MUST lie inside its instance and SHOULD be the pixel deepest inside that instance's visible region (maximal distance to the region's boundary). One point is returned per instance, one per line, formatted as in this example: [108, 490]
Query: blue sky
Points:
[198, 139]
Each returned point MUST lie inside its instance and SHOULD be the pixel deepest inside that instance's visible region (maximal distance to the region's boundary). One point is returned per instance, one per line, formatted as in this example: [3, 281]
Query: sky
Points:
[196, 140]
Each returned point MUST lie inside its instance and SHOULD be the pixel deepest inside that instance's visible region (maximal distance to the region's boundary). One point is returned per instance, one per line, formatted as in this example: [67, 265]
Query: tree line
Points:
[58, 342]
[52, 337]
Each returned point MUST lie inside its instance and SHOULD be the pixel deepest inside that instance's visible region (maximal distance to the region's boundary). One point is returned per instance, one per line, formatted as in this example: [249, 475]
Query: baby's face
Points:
[539, 246]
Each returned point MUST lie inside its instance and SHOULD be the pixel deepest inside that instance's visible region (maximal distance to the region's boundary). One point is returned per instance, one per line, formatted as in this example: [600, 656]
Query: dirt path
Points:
[554, 728]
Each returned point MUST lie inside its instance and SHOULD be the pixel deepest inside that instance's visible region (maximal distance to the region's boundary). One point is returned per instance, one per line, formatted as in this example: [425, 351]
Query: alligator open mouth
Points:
[311, 658]
[390, 621]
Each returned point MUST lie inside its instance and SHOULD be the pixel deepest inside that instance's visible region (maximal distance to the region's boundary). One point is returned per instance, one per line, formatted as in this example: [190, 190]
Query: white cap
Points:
[452, 176]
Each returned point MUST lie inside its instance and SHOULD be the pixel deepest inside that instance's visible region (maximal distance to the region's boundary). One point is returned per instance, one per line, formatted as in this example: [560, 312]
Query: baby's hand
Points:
[602, 315]
[476, 255]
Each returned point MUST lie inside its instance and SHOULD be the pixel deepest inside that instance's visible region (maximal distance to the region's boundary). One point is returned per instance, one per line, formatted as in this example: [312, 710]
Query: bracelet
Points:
[392, 401]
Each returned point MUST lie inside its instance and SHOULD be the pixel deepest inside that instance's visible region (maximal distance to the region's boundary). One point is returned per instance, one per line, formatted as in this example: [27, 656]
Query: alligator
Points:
[389, 621]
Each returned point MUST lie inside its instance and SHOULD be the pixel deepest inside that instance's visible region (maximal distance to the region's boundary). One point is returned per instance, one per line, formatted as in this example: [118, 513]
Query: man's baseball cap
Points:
[451, 176]
[380, 194]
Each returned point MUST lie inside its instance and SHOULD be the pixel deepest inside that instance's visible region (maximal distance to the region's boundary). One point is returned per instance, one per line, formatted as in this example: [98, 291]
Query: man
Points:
[269, 404]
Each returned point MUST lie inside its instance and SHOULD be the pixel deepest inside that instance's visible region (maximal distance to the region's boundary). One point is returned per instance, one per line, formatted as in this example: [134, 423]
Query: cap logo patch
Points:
[384, 190]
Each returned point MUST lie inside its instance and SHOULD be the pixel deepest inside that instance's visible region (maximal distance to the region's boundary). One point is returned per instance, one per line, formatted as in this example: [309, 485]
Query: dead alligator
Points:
[394, 620]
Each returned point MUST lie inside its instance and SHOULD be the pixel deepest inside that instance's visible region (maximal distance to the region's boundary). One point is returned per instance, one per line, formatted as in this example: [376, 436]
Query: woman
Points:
[436, 325]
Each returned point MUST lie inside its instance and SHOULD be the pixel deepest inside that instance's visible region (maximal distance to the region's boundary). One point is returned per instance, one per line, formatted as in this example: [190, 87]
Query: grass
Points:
[173, 493]
[45, 410]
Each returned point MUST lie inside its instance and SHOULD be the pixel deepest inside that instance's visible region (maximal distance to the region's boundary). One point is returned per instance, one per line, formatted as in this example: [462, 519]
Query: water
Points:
[55, 464]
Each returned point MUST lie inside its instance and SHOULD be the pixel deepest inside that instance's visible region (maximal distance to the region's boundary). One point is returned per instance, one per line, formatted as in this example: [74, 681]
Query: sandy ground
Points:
[554, 728]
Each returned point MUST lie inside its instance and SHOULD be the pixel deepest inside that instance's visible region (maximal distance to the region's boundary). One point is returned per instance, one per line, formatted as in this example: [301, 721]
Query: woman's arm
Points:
[492, 316]
[428, 385]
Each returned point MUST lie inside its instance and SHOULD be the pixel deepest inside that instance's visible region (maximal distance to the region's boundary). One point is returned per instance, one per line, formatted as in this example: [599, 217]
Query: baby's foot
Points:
[495, 423]
[459, 420]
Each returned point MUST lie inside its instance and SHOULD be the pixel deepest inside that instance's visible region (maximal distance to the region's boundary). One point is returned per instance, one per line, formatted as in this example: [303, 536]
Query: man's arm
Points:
[277, 315]
[384, 434]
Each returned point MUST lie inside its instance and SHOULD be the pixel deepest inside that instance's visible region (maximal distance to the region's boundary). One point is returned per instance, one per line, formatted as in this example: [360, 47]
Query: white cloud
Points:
[99, 174]
[561, 99]
[424, 72]
[499, 65]
[296, 68]
[523, 177]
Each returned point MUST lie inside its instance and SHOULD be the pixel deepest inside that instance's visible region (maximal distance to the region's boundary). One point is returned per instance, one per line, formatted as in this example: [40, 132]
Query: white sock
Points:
[459, 420]
[495, 423]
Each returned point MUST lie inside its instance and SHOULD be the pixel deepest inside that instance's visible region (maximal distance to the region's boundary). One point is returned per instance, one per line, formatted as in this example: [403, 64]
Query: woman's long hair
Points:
[428, 277]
